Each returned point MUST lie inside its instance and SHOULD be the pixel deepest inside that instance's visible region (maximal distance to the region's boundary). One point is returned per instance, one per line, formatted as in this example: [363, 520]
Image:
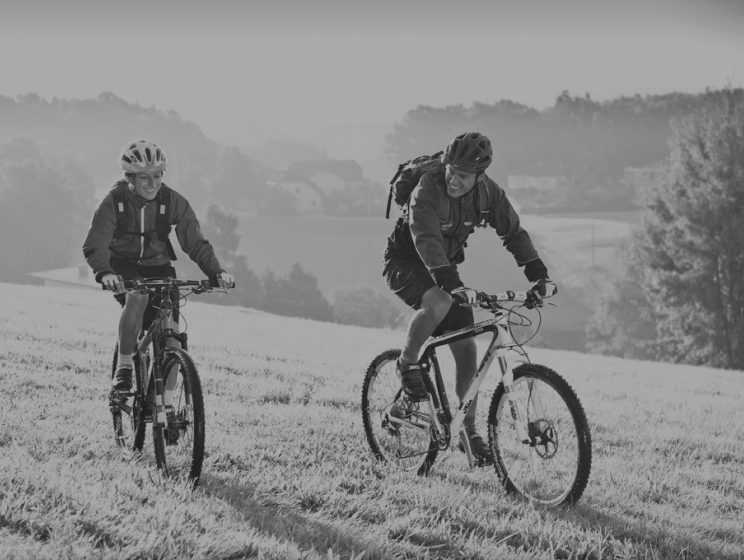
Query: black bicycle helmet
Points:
[470, 152]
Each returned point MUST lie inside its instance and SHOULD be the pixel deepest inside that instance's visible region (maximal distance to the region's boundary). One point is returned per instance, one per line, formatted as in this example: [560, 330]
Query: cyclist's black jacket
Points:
[101, 243]
[434, 228]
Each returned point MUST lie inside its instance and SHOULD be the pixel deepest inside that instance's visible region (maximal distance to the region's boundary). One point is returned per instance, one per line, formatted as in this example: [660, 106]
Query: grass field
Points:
[289, 474]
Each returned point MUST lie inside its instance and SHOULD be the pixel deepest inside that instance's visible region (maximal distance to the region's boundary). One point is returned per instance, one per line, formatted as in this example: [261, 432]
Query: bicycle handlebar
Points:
[494, 301]
[145, 284]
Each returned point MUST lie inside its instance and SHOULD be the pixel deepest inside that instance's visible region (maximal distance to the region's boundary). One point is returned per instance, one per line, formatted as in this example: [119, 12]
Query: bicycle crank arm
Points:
[465, 442]
[411, 421]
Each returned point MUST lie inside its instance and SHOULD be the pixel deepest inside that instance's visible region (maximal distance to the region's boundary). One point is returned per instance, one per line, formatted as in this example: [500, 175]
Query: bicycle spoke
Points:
[551, 465]
[180, 447]
[404, 442]
[129, 426]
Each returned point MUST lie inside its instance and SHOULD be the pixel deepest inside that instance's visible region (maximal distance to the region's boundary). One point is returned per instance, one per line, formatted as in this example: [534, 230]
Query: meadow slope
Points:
[289, 474]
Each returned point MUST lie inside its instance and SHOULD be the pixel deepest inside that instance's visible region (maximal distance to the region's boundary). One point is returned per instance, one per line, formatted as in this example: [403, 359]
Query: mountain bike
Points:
[166, 390]
[537, 429]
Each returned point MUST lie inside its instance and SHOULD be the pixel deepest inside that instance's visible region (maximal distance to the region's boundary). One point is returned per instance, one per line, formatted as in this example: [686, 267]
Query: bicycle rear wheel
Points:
[179, 442]
[409, 445]
[549, 459]
[127, 414]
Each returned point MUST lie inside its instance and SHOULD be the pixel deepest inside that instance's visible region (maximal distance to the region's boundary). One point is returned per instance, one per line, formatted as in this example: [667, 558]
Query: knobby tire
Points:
[125, 423]
[582, 438]
[178, 362]
[382, 444]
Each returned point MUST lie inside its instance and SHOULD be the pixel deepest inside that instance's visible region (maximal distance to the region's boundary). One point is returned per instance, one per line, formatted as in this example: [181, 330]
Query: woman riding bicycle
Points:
[424, 250]
[128, 238]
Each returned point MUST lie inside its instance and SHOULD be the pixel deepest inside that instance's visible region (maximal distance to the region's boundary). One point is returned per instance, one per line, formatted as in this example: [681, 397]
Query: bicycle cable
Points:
[524, 321]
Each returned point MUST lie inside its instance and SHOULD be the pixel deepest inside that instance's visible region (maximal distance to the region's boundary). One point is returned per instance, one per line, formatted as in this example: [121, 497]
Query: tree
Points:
[45, 208]
[220, 228]
[296, 295]
[239, 181]
[366, 307]
[689, 255]
[624, 323]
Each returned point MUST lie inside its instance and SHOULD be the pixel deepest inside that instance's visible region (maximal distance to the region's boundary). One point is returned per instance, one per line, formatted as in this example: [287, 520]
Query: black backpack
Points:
[407, 177]
[409, 174]
[162, 221]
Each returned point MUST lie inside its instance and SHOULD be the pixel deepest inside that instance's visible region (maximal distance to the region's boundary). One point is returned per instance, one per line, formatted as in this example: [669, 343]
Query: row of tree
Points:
[588, 143]
[681, 298]
[585, 142]
[296, 294]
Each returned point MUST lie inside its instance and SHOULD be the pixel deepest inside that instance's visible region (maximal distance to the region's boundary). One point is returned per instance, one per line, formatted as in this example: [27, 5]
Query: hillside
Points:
[289, 474]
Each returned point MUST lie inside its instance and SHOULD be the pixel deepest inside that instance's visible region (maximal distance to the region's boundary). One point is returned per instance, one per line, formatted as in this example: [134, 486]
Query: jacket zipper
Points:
[142, 231]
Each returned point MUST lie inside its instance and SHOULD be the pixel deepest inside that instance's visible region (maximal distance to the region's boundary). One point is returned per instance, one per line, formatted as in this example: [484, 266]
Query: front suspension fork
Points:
[507, 379]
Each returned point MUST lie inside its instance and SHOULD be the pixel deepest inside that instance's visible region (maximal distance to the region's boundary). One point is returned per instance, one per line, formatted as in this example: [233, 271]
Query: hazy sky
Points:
[240, 68]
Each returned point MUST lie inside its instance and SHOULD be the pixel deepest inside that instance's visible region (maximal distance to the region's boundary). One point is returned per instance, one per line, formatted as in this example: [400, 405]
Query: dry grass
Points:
[289, 474]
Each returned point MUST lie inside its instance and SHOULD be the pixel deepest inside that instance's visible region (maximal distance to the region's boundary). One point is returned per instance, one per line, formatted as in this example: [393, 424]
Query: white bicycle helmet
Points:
[142, 155]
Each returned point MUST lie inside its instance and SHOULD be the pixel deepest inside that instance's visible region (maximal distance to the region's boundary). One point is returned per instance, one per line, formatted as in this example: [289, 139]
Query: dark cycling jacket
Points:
[100, 244]
[435, 228]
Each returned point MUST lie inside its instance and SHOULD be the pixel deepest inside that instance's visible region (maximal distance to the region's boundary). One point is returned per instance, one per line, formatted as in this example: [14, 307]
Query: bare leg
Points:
[434, 307]
[130, 322]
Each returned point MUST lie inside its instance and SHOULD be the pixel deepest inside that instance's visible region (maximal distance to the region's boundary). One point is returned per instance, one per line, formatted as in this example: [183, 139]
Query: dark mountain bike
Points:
[166, 390]
[537, 429]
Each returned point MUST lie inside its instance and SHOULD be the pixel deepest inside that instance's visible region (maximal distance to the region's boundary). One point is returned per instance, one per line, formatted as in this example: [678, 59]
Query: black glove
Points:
[447, 278]
[535, 270]
[543, 287]
[464, 295]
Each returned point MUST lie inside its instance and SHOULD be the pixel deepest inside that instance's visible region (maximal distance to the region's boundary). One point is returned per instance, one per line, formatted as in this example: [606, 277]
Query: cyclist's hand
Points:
[225, 280]
[113, 282]
[542, 288]
[465, 295]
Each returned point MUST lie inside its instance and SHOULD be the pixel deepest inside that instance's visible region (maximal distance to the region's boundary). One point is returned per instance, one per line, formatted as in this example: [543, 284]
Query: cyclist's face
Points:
[147, 185]
[458, 182]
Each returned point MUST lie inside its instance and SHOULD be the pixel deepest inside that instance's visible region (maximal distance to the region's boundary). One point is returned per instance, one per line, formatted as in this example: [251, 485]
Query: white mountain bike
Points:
[537, 429]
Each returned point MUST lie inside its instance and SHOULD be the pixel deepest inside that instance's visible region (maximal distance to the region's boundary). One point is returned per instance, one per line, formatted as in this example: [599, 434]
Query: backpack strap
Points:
[120, 207]
[483, 205]
[162, 220]
[392, 185]
[162, 217]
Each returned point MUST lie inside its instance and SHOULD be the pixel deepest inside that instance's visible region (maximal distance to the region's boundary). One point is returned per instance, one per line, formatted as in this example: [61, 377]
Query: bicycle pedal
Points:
[171, 436]
[117, 399]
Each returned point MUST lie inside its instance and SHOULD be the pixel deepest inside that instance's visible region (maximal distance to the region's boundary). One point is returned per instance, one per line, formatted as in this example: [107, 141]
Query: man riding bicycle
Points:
[128, 239]
[421, 258]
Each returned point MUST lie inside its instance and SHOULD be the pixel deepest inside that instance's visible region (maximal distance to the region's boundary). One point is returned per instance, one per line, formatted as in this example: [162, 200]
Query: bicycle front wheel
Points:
[540, 440]
[127, 414]
[407, 445]
[179, 440]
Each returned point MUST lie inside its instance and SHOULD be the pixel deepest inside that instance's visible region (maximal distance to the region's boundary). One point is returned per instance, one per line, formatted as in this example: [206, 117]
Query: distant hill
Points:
[93, 132]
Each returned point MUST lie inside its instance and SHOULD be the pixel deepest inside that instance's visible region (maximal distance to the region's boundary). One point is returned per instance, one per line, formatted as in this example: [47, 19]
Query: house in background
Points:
[329, 175]
[528, 191]
[330, 187]
[72, 277]
[308, 196]
[528, 183]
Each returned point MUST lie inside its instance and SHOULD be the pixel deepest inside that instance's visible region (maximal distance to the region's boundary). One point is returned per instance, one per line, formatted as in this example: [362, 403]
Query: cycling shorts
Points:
[409, 279]
[130, 271]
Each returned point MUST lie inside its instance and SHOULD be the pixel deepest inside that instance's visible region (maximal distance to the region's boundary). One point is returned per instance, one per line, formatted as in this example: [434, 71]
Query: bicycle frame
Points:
[157, 336]
[443, 424]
